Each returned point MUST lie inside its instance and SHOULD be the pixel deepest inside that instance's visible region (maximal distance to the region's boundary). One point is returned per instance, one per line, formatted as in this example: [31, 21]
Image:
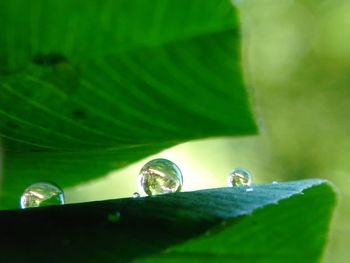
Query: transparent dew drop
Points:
[42, 194]
[160, 176]
[274, 182]
[135, 195]
[239, 177]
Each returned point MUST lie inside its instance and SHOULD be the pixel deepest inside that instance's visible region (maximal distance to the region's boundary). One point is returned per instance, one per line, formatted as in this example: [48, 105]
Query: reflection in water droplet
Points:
[42, 194]
[160, 176]
[135, 195]
[114, 217]
[250, 189]
[239, 177]
[274, 182]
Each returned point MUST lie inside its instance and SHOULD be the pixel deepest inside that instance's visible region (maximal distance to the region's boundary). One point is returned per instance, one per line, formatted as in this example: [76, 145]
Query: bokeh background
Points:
[296, 57]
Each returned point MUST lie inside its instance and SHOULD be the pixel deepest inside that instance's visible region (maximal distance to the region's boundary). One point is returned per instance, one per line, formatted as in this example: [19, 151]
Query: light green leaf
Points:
[86, 88]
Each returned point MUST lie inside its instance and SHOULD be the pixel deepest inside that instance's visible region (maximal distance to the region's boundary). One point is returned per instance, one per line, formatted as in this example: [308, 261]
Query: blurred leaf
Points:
[86, 88]
[285, 222]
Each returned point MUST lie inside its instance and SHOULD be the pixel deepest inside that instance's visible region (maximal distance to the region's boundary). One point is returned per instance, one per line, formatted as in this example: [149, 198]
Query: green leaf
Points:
[81, 31]
[285, 222]
[86, 88]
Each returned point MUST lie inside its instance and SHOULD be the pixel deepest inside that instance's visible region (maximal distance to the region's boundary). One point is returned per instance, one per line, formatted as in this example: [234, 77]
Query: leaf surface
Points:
[285, 222]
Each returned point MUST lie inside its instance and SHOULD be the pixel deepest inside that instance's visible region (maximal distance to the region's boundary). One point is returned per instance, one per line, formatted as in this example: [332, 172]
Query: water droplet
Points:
[135, 195]
[42, 194]
[250, 189]
[114, 217]
[274, 182]
[160, 176]
[239, 177]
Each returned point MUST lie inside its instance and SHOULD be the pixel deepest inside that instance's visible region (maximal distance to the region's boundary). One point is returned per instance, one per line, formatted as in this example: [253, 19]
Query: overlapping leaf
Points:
[86, 88]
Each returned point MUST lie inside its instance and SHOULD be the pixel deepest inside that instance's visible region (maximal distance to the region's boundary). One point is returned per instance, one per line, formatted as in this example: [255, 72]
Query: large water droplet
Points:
[160, 176]
[239, 177]
[42, 194]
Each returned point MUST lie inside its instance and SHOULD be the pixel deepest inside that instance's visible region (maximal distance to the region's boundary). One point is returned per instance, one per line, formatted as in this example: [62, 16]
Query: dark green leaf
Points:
[280, 223]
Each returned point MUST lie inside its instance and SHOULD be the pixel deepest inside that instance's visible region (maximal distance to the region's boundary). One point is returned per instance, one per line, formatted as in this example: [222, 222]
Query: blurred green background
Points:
[297, 62]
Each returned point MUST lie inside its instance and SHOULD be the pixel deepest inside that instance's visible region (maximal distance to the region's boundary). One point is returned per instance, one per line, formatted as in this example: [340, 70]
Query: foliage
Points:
[76, 105]
[214, 225]
[87, 88]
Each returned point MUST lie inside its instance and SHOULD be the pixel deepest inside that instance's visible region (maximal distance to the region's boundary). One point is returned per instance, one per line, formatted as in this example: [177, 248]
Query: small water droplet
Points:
[239, 177]
[135, 195]
[160, 176]
[250, 189]
[114, 217]
[42, 194]
[274, 182]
